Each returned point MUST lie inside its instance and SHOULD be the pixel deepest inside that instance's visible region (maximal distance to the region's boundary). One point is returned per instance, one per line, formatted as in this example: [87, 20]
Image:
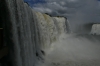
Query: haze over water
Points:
[74, 50]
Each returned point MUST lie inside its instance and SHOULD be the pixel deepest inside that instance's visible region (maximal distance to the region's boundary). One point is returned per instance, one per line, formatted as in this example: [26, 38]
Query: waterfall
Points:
[27, 32]
[95, 29]
[38, 39]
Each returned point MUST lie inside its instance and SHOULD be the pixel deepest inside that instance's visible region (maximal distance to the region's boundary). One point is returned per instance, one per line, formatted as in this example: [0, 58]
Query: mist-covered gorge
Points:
[35, 38]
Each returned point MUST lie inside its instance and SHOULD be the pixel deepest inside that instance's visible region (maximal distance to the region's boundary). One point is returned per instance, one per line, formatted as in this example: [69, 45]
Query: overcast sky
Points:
[77, 11]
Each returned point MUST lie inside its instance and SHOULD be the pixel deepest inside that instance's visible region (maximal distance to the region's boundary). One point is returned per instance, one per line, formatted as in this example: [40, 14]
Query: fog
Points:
[74, 50]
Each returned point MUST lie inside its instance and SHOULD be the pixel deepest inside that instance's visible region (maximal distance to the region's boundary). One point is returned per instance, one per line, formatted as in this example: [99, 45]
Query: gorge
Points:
[37, 39]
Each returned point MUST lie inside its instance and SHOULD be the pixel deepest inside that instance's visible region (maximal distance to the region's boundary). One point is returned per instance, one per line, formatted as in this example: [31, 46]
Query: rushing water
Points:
[74, 50]
[28, 33]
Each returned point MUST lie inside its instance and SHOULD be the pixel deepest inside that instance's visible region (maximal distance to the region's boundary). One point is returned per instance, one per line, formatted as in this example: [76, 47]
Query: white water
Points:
[29, 32]
[74, 50]
[95, 29]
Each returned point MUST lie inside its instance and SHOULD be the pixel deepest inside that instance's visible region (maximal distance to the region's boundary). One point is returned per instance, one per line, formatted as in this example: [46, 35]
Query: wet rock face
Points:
[27, 32]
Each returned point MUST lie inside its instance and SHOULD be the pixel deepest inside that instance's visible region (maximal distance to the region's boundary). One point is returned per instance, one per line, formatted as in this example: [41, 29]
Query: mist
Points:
[87, 13]
[73, 50]
[78, 12]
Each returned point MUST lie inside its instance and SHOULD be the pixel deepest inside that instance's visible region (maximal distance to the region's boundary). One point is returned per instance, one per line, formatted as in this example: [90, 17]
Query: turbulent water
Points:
[74, 50]
[95, 29]
[33, 37]
[27, 32]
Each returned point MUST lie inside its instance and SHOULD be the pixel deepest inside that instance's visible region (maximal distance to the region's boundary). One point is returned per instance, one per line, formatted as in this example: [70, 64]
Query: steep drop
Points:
[33, 38]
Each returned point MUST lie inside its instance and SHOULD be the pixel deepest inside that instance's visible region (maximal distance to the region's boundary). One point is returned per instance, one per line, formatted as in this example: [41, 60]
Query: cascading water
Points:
[36, 39]
[74, 50]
